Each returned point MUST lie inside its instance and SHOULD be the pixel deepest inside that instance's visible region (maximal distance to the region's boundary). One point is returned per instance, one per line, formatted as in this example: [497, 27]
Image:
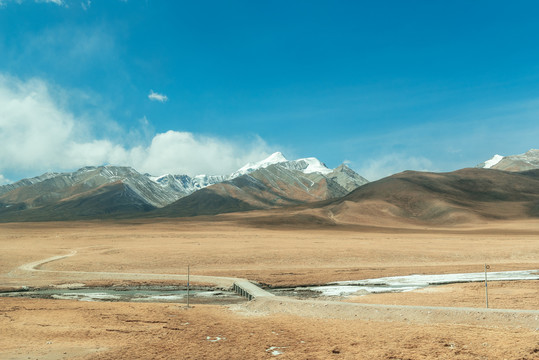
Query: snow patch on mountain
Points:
[313, 166]
[201, 181]
[521, 162]
[183, 185]
[274, 158]
[493, 161]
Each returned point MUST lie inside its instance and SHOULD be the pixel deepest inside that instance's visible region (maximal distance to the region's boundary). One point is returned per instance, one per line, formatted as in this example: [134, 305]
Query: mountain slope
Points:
[26, 182]
[116, 199]
[441, 198]
[183, 185]
[86, 193]
[55, 187]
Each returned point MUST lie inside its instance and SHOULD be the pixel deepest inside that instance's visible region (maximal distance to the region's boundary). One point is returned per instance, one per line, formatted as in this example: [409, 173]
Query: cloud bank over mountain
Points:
[39, 133]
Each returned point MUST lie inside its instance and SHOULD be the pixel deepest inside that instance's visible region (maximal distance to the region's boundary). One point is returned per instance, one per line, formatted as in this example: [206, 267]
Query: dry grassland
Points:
[51, 329]
[522, 295]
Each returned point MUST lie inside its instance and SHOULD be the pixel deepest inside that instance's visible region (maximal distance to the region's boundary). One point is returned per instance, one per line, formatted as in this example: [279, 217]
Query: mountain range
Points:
[504, 187]
[119, 191]
[276, 185]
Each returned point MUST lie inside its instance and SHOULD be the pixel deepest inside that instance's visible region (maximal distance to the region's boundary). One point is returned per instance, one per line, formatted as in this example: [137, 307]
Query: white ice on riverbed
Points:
[157, 298]
[85, 296]
[413, 282]
[347, 290]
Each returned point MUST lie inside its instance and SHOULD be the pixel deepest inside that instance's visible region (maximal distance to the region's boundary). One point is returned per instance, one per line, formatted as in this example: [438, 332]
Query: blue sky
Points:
[205, 86]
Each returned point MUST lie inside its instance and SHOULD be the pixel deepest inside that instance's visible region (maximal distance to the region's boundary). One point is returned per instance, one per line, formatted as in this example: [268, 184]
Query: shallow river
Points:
[172, 294]
[134, 294]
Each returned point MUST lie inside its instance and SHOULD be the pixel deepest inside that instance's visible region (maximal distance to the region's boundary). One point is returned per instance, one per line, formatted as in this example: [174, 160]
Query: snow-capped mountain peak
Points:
[307, 166]
[182, 185]
[314, 165]
[493, 161]
[274, 158]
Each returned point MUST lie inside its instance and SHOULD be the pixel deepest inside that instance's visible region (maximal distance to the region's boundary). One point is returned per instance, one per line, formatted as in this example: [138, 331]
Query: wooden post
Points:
[187, 285]
[486, 285]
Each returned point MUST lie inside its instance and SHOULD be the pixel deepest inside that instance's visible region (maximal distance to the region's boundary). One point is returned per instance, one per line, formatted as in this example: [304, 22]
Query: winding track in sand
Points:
[223, 282]
[266, 303]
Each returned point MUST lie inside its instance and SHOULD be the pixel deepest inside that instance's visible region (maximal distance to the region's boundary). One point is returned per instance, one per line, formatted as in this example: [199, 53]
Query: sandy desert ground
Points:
[272, 255]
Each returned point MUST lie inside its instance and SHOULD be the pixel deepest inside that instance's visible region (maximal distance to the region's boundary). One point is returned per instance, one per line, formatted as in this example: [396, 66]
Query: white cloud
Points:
[37, 134]
[186, 153]
[83, 45]
[33, 129]
[157, 97]
[86, 5]
[4, 180]
[390, 164]
[57, 2]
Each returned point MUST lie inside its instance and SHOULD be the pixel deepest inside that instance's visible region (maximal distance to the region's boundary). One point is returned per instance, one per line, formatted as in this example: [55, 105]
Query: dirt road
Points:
[218, 281]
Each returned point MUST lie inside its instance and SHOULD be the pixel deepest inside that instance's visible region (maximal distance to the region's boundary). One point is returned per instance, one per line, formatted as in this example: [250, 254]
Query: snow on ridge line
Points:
[275, 158]
[493, 161]
[306, 165]
[315, 165]
[156, 179]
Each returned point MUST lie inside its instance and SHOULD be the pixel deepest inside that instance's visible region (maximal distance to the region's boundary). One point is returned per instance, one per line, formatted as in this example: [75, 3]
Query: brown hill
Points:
[441, 198]
[109, 200]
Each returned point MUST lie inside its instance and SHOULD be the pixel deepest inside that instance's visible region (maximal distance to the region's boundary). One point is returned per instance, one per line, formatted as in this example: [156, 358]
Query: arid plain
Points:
[270, 254]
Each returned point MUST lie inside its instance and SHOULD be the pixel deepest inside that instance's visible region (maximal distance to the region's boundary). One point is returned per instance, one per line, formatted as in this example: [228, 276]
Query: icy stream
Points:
[401, 283]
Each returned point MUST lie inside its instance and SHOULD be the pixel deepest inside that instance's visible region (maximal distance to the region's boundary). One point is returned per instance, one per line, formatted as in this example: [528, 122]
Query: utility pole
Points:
[486, 285]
